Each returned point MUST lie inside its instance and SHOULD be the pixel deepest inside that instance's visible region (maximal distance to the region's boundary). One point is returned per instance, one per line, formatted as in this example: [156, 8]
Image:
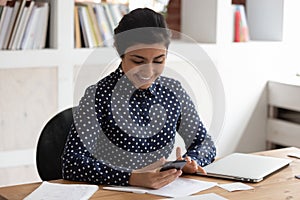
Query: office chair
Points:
[51, 145]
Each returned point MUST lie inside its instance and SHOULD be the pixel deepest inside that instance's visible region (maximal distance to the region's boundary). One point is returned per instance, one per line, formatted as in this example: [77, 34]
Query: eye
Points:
[137, 62]
[158, 62]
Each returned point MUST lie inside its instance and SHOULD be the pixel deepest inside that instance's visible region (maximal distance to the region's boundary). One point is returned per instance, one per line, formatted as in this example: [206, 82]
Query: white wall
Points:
[245, 69]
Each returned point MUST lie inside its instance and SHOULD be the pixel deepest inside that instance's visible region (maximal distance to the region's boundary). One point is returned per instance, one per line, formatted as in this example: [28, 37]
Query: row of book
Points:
[95, 22]
[23, 24]
[241, 30]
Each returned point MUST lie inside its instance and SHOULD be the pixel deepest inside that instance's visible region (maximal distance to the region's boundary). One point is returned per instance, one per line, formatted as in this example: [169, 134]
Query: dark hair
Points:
[141, 25]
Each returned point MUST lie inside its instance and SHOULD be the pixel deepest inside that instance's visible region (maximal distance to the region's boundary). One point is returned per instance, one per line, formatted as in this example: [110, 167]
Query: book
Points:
[5, 19]
[83, 30]
[1, 18]
[237, 25]
[89, 27]
[41, 26]
[109, 17]
[85, 27]
[94, 23]
[241, 30]
[116, 13]
[28, 38]
[94, 26]
[15, 27]
[13, 42]
[27, 12]
[20, 28]
[77, 33]
[104, 26]
[16, 6]
[244, 24]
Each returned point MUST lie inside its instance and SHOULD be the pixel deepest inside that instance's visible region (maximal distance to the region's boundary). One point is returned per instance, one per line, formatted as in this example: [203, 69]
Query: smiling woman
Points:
[144, 63]
[125, 125]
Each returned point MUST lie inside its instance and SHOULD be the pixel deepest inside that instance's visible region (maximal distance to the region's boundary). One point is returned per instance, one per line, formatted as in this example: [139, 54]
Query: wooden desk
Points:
[280, 185]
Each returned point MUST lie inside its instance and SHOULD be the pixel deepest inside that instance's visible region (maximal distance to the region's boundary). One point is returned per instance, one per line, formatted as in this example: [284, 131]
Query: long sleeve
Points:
[199, 144]
[80, 165]
[80, 159]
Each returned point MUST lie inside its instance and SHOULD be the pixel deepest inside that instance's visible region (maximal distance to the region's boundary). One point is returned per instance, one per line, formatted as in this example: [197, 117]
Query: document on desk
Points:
[55, 191]
[237, 186]
[179, 188]
[209, 196]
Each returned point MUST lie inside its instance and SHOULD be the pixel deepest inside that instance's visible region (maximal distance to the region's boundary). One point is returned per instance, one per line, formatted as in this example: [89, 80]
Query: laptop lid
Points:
[245, 167]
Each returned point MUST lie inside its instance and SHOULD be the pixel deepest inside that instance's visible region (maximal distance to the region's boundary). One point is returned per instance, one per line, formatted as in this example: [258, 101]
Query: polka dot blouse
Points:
[118, 128]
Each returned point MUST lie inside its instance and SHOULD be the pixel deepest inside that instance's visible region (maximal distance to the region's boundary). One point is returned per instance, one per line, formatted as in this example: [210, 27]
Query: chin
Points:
[143, 87]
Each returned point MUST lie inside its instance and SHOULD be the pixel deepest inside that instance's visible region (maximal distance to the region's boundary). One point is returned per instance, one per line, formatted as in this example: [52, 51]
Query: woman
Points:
[125, 124]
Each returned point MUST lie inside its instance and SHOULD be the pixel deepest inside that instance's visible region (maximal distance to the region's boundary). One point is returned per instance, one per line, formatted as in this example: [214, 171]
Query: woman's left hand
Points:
[191, 166]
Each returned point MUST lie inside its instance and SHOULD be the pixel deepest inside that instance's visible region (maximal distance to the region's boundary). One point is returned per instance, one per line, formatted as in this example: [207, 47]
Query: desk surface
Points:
[280, 185]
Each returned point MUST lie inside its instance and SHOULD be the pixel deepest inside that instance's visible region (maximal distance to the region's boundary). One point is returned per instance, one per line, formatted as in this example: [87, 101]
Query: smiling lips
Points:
[143, 79]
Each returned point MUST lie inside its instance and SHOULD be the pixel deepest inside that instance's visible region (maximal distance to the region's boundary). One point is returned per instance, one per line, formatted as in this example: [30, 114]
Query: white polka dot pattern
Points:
[118, 128]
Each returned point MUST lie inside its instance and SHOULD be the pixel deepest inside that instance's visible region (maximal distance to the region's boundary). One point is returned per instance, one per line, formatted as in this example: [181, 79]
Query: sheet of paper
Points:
[56, 191]
[235, 186]
[179, 188]
[209, 196]
[294, 155]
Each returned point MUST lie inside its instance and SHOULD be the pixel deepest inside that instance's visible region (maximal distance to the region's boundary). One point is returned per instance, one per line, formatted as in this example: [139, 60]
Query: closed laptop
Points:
[245, 167]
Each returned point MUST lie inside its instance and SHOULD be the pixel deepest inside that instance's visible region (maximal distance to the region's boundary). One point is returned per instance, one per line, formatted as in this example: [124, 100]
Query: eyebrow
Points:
[141, 57]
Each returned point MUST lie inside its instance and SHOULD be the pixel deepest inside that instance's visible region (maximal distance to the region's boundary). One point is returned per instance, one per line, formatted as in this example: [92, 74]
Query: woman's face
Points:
[143, 63]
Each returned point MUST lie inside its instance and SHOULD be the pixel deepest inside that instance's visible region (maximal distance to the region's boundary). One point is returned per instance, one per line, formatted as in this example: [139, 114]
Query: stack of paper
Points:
[51, 191]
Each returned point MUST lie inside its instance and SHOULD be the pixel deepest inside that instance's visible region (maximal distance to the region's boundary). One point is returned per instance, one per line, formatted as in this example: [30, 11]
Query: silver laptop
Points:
[245, 167]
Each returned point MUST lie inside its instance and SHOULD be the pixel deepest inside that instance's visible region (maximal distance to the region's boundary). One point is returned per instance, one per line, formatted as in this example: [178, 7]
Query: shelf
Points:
[278, 93]
[52, 57]
[73, 56]
[29, 58]
[283, 132]
[283, 125]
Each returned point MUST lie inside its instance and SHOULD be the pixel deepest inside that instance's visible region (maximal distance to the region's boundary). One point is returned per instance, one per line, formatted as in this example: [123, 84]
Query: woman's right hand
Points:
[151, 177]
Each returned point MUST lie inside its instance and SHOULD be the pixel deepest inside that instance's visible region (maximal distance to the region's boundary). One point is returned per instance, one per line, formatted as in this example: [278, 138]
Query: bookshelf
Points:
[211, 25]
[95, 22]
[265, 19]
[56, 67]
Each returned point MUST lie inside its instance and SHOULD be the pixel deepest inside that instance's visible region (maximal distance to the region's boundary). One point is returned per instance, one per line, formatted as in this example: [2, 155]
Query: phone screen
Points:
[177, 164]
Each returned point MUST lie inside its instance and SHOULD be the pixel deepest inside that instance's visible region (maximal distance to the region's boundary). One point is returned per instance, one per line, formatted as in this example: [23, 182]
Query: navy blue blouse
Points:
[118, 128]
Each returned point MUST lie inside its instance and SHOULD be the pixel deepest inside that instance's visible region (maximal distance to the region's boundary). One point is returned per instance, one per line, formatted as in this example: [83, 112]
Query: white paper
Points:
[179, 188]
[57, 191]
[235, 186]
[294, 155]
[209, 196]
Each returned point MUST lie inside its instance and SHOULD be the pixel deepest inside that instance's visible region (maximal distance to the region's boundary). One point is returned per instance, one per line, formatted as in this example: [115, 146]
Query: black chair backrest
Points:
[51, 145]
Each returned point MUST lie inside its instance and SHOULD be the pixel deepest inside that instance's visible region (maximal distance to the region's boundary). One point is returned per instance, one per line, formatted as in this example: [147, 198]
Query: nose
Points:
[147, 70]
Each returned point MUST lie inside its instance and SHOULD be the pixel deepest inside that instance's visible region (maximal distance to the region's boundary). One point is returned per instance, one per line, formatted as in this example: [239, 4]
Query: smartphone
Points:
[177, 164]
